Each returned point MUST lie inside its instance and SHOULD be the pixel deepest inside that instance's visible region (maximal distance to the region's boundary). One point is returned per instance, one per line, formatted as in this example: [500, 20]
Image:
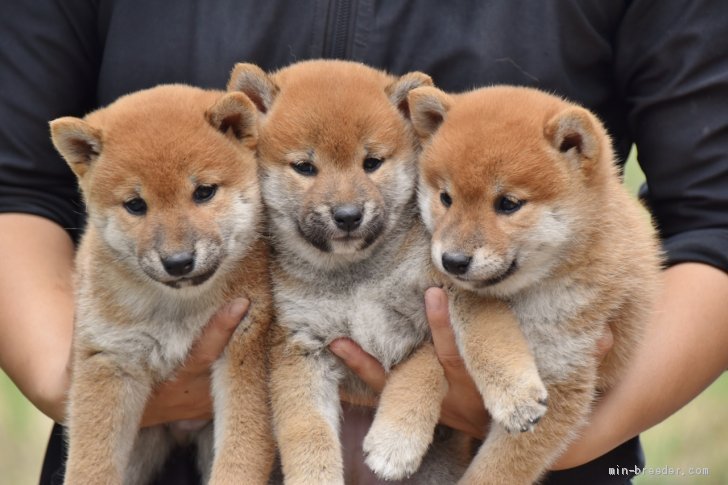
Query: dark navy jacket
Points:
[655, 71]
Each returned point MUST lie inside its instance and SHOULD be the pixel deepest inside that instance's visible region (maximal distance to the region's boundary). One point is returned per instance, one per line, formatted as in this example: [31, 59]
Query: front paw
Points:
[393, 452]
[519, 407]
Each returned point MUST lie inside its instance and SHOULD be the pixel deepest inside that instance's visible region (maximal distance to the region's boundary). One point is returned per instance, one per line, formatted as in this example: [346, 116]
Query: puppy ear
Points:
[78, 142]
[575, 133]
[428, 108]
[398, 90]
[255, 83]
[234, 114]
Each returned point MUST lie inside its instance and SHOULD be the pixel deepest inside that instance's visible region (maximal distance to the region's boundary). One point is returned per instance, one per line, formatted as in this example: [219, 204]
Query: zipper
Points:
[339, 25]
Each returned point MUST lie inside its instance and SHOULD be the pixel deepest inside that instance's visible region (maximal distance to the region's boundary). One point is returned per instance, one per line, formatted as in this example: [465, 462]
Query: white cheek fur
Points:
[424, 201]
[436, 253]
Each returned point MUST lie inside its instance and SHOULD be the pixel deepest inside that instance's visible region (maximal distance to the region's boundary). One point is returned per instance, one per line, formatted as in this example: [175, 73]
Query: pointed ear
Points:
[577, 135]
[234, 114]
[398, 90]
[428, 107]
[78, 142]
[255, 83]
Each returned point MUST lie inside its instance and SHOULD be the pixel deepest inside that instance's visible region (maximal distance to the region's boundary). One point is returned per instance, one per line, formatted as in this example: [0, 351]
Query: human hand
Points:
[186, 397]
[462, 407]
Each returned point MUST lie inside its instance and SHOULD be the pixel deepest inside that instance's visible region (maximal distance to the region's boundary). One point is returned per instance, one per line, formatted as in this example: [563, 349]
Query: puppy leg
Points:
[244, 448]
[408, 410]
[205, 441]
[498, 358]
[306, 413]
[521, 458]
[151, 449]
[105, 408]
[446, 460]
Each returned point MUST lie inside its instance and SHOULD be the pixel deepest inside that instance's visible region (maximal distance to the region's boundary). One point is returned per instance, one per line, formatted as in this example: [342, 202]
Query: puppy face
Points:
[338, 158]
[169, 178]
[506, 174]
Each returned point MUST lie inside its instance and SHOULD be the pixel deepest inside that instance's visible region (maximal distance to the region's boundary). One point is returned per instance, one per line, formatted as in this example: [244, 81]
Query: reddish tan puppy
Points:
[338, 163]
[520, 192]
[170, 183]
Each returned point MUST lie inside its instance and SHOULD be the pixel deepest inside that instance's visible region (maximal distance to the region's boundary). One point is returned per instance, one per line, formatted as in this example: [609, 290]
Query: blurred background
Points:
[23, 434]
[693, 440]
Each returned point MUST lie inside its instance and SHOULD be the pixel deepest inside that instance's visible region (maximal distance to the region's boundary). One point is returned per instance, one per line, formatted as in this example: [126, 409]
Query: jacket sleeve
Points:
[49, 53]
[672, 65]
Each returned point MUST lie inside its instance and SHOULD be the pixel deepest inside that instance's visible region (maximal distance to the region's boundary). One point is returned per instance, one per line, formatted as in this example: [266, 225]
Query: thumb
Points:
[442, 334]
[215, 336]
[363, 364]
[605, 343]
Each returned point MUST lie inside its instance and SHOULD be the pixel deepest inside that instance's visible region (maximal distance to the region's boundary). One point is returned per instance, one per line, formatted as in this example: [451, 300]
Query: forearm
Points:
[682, 352]
[36, 308]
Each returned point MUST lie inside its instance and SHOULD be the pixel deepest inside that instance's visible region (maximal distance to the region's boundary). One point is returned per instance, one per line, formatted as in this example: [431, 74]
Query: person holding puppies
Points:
[652, 71]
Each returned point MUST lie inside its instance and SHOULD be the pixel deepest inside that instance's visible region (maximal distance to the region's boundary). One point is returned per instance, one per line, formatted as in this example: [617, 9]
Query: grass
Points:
[692, 438]
[23, 435]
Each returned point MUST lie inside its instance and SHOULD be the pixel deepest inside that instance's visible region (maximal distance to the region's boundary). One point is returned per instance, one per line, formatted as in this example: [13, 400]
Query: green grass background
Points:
[23, 435]
[696, 436]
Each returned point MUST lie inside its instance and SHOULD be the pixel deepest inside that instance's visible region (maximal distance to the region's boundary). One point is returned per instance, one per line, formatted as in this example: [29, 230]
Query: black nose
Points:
[456, 263]
[179, 264]
[347, 217]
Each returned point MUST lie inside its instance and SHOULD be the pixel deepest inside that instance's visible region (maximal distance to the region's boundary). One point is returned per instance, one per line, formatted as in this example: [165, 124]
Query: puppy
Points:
[338, 168]
[520, 192]
[170, 182]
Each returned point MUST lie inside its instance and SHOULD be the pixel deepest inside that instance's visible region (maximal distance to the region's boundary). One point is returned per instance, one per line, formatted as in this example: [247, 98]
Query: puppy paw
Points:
[518, 408]
[392, 452]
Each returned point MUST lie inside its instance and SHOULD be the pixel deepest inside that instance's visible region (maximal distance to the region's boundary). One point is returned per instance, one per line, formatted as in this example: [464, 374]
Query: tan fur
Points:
[399, 409]
[366, 283]
[136, 321]
[298, 420]
[579, 255]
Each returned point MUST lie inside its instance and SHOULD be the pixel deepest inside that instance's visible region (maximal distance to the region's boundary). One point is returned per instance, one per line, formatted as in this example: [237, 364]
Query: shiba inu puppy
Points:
[170, 181]
[520, 192]
[338, 167]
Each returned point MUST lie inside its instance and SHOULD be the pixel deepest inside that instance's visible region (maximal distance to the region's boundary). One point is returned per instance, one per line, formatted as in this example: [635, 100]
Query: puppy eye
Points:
[371, 164]
[508, 205]
[307, 169]
[136, 206]
[445, 199]
[203, 193]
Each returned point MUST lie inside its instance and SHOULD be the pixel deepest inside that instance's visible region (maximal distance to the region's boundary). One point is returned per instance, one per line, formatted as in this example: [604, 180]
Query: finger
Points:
[605, 343]
[175, 400]
[442, 335]
[215, 336]
[364, 365]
